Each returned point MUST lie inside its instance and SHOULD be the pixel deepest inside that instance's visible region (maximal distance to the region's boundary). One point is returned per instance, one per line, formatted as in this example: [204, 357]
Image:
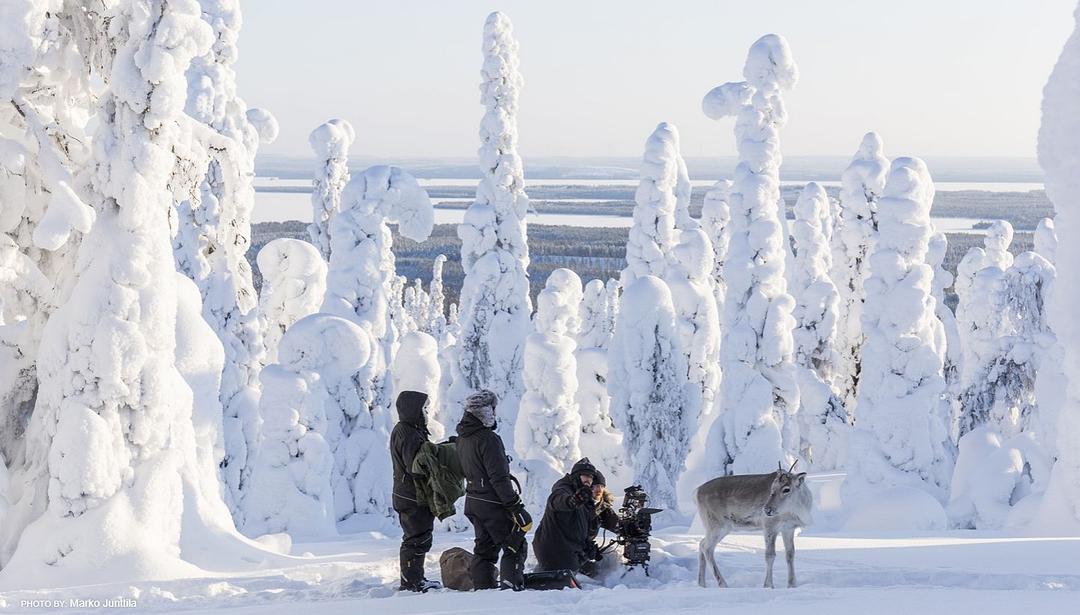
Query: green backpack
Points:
[439, 481]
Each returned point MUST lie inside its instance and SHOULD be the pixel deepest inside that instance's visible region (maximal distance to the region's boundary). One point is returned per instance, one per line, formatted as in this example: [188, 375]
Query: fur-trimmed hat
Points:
[482, 405]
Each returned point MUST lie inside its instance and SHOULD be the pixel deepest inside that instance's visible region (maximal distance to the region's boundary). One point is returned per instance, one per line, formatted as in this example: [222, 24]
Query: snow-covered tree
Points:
[495, 304]
[435, 319]
[614, 296]
[214, 194]
[111, 449]
[1028, 283]
[824, 423]
[45, 106]
[1050, 382]
[321, 359]
[1059, 157]
[449, 412]
[294, 283]
[816, 297]
[697, 319]
[596, 325]
[416, 304]
[900, 438]
[861, 185]
[600, 441]
[341, 357]
[980, 287]
[416, 368]
[330, 142]
[697, 323]
[289, 488]
[1007, 346]
[1046, 239]
[997, 240]
[953, 357]
[982, 327]
[652, 235]
[361, 284]
[1004, 429]
[647, 376]
[715, 220]
[759, 396]
[548, 429]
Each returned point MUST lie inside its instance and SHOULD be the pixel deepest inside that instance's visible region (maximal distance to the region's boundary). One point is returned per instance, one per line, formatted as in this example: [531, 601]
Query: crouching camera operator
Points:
[577, 508]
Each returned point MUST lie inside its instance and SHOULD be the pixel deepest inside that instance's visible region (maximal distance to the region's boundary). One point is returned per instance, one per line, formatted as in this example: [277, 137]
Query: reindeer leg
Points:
[701, 560]
[789, 553]
[770, 554]
[712, 557]
[707, 548]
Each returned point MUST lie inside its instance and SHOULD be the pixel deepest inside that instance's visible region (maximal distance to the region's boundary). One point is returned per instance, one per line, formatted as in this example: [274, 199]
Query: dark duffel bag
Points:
[454, 564]
[551, 579]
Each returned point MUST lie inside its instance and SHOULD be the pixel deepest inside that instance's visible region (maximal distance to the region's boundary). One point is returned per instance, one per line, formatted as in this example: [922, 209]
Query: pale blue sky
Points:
[934, 77]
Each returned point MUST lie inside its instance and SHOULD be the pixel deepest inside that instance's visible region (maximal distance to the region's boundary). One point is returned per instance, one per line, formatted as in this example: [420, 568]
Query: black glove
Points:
[583, 497]
[522, 519]
[597, 553]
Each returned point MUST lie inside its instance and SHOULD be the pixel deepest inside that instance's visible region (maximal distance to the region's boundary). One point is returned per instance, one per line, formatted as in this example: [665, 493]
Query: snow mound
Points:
[993, 475]
[895, 510]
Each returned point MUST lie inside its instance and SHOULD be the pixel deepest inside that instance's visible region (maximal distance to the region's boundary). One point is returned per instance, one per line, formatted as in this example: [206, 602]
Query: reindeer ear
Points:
[799, 478]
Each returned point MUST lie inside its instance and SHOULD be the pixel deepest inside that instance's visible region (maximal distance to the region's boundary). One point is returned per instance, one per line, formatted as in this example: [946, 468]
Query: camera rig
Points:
[634, 528]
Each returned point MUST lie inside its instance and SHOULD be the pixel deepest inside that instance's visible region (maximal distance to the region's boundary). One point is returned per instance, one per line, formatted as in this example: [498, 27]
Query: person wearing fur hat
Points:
[565, 538]
[416, 519]
[492, 505]
[604, 502]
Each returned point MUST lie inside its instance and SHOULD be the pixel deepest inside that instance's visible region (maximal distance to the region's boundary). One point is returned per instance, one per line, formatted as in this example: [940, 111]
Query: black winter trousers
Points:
[416, 525]
[494, 533]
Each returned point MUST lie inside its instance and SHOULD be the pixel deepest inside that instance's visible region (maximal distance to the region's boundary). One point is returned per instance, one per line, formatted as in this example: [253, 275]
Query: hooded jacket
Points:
[484, 463]
[408, 436]
[565, 536]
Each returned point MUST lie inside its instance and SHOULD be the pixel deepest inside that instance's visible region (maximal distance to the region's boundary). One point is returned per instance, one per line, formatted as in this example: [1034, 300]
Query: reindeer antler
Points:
[793, 466]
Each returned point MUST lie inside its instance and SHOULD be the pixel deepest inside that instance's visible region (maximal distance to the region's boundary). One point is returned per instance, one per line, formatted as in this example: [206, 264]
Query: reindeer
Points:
[776, 503]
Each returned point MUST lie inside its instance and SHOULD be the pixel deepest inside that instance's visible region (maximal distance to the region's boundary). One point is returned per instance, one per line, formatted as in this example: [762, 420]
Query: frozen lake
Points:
[281, 206]
[264, 183]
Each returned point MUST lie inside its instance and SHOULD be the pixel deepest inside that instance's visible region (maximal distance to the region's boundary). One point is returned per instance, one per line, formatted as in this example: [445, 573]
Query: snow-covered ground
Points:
[913, 572]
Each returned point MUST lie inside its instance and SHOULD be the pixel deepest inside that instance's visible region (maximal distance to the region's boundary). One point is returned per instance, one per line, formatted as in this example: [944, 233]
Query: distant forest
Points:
[593, 253]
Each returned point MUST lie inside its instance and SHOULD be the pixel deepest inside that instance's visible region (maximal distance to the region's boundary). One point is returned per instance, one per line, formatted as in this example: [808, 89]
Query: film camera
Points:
[635, 525]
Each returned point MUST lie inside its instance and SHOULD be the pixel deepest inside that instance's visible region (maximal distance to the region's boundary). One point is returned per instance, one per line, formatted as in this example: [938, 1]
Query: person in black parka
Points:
[492, 504]
[565, 538]
[416, 519]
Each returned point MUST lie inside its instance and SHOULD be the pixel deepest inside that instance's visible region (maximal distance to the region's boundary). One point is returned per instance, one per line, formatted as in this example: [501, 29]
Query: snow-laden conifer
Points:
[294, 284]
[900, 438]
[495, 306]
[861, 186]
[331, 142]
[548, 430]
[757, 423]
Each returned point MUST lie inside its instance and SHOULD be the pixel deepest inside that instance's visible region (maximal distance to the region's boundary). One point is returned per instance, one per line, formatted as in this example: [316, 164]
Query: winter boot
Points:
[412, 572]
